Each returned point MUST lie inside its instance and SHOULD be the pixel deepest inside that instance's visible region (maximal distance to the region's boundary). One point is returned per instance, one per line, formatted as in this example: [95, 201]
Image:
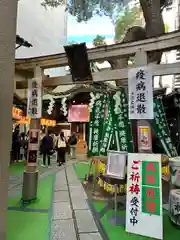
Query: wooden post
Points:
[30, 180]
[8, 14]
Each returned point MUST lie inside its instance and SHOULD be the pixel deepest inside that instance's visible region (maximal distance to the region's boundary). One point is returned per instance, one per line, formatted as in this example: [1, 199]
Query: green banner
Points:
[107, 134]
[96, 124]
[122, 121]
[162, 129]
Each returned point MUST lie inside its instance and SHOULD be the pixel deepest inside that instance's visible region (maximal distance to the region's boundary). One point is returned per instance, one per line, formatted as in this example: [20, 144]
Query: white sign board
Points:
[116, 163]
[140, 88]
[144, 214]
[34, 108]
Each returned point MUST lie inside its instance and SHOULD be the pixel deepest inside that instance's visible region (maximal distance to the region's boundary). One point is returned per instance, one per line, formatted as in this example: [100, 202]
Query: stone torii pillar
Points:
[30, 178]
[141, 60]
[8, 14]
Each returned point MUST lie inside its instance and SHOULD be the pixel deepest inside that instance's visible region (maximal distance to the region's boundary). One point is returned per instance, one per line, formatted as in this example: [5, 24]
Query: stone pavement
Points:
[71, 216]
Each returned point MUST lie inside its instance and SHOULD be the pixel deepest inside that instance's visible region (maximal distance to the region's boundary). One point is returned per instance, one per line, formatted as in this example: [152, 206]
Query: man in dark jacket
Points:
[47, 147]
[72, 143]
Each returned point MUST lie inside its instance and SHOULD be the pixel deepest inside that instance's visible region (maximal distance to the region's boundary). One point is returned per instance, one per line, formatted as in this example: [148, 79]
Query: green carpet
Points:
[27, 226]
[30, 225]
[81, 169]
[16, 169]
[43, 196]
[116, 232]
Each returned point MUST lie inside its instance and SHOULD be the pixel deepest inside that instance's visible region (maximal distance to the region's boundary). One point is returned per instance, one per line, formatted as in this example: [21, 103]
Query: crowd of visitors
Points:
[19, 145]
[49, 144]
[59, 143]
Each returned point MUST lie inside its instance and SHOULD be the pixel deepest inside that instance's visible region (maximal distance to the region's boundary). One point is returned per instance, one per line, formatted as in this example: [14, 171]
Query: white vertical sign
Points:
[144, 215]
[140, 88]
[34, 107]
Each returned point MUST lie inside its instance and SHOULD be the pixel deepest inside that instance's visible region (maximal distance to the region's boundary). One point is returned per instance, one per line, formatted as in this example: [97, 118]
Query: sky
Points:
[46, 30]
[86, 32]
[97, 25]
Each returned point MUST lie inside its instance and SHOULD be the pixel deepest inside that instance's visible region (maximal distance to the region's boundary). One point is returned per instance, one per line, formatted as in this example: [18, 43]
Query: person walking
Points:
[16, 146]
[61, 148]
[55, 145]
[72, 143]
[47, 148]
[23, 146]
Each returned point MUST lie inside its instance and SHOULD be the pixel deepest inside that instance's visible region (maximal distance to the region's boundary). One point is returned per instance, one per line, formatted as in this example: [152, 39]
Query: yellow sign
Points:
[16, 112]
[45, 122]
[48, 122]
[24, 120]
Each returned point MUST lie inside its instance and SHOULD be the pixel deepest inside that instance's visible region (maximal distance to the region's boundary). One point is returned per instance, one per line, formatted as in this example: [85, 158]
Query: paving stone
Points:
[61, 178]
[61, 196]
[15, 188]
[63, 230]
[71, 174]
[13, 179]
[79, 203]
[61, 210]
[73, 183]
[76, 191]
[85, 221]
[90, 236]
[72, 180]
[60, 187]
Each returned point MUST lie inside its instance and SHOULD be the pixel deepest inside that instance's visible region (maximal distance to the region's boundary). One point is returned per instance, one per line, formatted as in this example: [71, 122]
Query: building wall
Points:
[45, 29]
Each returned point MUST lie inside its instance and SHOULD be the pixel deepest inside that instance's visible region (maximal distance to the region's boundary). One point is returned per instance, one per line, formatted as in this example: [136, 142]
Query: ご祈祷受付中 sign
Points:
[144, 195]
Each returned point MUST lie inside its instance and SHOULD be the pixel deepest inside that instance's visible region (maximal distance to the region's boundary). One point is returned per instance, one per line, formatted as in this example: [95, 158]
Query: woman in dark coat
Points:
[15, 146]
[46, 148]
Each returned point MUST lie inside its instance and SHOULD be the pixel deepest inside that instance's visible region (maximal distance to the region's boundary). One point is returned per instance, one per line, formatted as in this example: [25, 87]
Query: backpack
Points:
[60, 143]
[73, 140]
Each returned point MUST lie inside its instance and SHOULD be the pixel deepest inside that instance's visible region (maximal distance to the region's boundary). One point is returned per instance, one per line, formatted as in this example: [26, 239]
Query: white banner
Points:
[144, 214]
[34, 107]
[140, 88]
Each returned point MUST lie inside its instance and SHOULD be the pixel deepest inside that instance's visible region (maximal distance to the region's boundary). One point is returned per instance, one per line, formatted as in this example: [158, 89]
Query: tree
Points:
[72, 42]
[99, 41]
[131, 17]
[152, 12]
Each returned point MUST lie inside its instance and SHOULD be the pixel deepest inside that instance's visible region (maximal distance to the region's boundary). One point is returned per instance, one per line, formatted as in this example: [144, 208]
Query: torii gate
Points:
[8, 13]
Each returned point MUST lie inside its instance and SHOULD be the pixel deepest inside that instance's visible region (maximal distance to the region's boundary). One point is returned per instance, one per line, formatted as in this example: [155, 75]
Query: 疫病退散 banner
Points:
[95, 124]
[144, 195]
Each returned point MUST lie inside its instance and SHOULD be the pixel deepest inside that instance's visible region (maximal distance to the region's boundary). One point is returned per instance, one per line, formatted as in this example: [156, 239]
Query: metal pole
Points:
[115, 203]
[8, 14]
